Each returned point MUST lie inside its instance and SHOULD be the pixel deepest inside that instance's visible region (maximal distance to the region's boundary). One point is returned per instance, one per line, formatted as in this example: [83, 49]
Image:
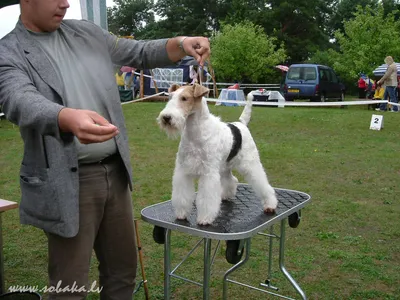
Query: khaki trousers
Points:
[106, 225]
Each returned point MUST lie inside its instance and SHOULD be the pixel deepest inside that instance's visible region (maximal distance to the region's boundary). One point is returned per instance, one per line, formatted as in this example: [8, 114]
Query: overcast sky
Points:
[9, 15]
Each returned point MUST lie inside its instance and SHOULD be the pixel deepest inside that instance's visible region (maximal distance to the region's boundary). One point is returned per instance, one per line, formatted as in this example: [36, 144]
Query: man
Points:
[389, 80]
[57, 84]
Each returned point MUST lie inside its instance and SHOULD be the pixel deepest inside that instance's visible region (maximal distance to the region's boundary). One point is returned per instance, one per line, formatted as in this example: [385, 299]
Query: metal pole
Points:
[207, 269]
[282, 261]
[167, 265]
[235, 267]
[268, 281]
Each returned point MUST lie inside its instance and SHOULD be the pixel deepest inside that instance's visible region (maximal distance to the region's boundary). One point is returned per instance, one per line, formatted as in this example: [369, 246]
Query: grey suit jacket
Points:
[31, 97]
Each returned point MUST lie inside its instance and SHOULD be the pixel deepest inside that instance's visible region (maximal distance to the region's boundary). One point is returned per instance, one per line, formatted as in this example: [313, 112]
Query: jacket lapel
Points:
[38, 59]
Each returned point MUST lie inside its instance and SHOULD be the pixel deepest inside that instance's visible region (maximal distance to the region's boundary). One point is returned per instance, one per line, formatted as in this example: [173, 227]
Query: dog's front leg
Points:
[183, 193]
[208, 198]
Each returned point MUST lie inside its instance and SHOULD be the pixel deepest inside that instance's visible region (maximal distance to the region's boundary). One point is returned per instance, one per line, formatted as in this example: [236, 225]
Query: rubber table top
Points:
[240, 217]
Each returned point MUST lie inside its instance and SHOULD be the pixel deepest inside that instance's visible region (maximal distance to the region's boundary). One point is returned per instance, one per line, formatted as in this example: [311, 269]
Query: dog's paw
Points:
[180, 214]
[270, 203]
[269, 210]
[205, 220]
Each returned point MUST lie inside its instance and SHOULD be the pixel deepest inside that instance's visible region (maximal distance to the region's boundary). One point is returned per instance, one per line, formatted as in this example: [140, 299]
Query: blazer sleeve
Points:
[138, 54]
[22, 103]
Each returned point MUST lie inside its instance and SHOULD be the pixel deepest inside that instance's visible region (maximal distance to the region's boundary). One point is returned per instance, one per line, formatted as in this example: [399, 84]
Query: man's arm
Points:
[23, 105]
[388, 72]
[156, 53]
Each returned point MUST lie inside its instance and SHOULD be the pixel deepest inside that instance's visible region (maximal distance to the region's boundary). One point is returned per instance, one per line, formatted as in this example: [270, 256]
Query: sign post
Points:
[376, 122]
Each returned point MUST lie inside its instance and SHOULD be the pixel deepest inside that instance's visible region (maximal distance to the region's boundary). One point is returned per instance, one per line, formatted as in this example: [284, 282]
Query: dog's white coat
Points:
[203, 151]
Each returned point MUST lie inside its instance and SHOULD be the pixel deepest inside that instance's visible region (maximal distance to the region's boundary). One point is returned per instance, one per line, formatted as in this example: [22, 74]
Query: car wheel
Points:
[322, 98]
[342, 96]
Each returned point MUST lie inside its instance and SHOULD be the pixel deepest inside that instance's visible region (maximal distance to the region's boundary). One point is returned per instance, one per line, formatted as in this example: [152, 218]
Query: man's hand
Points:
[88, 126]
[198, 47]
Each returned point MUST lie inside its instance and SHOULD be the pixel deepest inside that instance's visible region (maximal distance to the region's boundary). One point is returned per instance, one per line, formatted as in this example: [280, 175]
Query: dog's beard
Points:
[174, 128]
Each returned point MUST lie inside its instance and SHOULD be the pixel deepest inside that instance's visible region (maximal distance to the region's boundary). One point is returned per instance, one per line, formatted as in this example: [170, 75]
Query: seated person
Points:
[379, 93]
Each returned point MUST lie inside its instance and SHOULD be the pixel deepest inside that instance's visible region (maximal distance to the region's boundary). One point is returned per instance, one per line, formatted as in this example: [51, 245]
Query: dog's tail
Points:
[246, 114]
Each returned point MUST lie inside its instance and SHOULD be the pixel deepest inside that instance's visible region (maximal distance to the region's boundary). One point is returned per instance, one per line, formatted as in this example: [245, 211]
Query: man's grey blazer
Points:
[31, 97]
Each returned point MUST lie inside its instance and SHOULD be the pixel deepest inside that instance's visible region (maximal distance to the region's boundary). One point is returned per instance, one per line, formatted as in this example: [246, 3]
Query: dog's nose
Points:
[167, 119]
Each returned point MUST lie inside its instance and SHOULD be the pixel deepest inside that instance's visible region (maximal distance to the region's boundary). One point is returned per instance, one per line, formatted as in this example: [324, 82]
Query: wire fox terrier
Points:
[208, 151]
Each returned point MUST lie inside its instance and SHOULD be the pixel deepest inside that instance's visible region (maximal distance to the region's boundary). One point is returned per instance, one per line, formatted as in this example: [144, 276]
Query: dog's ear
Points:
[173, 88]
[199, 90]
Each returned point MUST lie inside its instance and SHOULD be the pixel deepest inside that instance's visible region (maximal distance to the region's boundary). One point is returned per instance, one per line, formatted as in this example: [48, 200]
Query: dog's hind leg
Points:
[256, 177]
[208, 198]
[183, 193]
[229, 185]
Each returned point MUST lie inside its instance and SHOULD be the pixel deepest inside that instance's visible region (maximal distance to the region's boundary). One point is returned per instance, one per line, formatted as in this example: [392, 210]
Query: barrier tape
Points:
[292, 103]
[280, 103]
[144, 98]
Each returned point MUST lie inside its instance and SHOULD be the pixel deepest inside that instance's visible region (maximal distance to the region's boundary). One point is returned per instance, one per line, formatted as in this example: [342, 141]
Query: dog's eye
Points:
[183, 99]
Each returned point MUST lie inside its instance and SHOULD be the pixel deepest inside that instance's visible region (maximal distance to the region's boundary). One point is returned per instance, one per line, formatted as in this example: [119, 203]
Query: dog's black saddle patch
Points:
[237, 141]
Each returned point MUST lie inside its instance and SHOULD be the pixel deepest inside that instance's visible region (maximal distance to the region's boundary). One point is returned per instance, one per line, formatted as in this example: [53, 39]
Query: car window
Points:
[333, 76]
[302, 73]
[324, 75]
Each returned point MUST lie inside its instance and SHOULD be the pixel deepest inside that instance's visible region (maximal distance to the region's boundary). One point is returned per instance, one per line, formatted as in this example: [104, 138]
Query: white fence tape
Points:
[293, 103]
[144, 98]
[280, 103]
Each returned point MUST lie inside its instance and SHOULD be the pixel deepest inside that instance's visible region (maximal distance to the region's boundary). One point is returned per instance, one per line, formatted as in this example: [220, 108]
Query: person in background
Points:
[362, 86]
[128, 80]
[398, 88]
[369, 87]
[379, 94]
[57, 83]
[119, 77]
[136, 82]
[390, 82]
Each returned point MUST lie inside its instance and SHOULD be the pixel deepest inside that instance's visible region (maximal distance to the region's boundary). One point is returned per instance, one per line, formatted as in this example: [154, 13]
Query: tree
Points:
[130, 17]
[366, 41]
[244, 52]
[344, 10]
[299, 24]
[187, 17]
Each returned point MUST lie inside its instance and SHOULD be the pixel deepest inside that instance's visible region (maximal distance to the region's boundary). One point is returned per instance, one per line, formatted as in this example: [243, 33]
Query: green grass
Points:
[346, 247]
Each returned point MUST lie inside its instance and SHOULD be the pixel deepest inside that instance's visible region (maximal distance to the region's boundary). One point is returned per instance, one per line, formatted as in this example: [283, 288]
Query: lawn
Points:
[347, 245]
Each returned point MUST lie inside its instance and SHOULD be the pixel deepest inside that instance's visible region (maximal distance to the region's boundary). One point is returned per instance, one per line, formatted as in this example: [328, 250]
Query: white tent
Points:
[95, 11]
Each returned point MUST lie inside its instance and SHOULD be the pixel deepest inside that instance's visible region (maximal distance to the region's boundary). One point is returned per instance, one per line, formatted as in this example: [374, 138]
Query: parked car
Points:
[314, 82]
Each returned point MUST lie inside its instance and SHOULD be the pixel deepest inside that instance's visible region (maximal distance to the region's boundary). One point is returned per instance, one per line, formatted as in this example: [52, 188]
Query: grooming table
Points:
[241, 218]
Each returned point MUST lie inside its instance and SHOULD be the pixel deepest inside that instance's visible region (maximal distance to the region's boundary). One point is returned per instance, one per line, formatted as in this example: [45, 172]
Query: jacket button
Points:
[74, 169]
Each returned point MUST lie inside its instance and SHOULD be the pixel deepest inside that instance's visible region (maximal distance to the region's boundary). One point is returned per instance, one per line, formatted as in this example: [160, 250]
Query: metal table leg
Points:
[235, 267]
[167, 265]
[207, 269]
[282, 262]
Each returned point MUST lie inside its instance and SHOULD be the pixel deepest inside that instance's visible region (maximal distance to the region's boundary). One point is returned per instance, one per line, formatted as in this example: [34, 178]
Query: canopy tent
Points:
[380, 71]
[4, 3]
